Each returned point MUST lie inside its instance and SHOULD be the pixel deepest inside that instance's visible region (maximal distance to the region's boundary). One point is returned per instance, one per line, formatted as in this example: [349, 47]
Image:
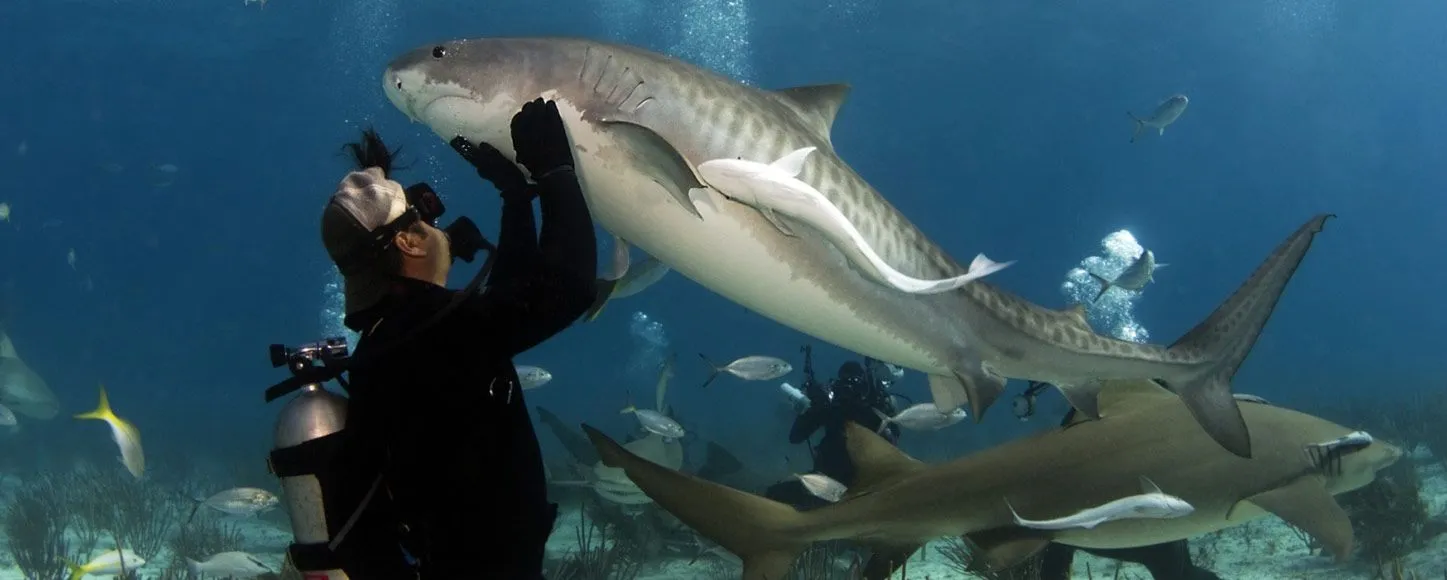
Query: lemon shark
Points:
[898, 503]
[641, 123]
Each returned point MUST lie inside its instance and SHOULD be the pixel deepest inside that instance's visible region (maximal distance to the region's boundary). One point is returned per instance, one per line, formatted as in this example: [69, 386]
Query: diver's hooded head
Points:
[372, 233]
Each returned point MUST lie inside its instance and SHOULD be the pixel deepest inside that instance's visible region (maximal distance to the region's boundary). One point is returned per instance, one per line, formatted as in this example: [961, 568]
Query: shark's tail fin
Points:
[1225, 337]
[603, 293]
[1104, 285]
[765, 534]
[1139, 126]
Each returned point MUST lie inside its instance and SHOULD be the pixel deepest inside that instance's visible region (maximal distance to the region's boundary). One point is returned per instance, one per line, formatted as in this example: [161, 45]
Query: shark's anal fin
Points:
[1306, 504]
[876, 461]
[778, 224]
[657, 159]
[1006, 547]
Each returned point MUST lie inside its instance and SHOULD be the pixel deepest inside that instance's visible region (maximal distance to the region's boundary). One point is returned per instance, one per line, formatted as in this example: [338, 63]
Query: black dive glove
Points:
[540, 140]
[491, 165]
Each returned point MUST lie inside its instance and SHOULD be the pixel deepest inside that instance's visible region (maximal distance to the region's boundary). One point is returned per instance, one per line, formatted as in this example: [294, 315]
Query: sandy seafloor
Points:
[1265, 548]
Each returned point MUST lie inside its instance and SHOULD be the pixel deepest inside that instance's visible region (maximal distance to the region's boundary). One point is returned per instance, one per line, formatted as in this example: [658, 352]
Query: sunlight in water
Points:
[715, 34]
[1113, 312]
[650, 345]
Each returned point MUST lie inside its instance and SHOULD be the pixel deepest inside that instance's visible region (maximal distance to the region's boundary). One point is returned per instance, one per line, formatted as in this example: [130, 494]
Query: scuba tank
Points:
[308, 434]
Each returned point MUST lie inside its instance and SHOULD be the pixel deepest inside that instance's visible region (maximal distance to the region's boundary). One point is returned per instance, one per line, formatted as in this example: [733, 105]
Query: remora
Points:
[641, 122]
[897, 503]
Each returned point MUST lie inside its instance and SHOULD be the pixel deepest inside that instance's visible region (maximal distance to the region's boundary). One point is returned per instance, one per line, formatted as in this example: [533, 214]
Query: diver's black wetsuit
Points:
[463, 489]
[1168, 561]
[854, 395]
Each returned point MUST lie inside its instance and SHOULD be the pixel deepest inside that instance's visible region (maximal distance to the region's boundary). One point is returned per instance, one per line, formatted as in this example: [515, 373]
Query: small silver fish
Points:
[533, 377]
[1153, 504]
[239, 565]
[239, 501]
[922, 417]
[823, 486]
[656, 422]
[750, 368]
[1166, 113]
[1135, 276]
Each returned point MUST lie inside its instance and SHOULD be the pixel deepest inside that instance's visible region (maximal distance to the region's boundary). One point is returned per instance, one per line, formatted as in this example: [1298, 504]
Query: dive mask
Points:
[464, 239]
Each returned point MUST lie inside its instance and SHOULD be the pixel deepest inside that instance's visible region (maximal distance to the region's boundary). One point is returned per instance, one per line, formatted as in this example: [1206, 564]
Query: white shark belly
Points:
[736, 253]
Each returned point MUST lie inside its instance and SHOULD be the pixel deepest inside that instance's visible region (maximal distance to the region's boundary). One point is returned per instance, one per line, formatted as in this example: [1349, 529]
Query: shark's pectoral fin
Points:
[886, 559]
[875, 460]
[972, 383]
[1003, 548]
[656, 158]
[1306, 504]
[778, 224]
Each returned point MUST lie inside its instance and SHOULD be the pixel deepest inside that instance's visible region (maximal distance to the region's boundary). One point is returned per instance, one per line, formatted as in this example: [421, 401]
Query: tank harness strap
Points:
[308, 458]
[356, 514]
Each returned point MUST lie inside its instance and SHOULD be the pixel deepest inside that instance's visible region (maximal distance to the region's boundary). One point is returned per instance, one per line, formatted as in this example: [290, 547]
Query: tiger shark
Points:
[896, 503]
[641, 123]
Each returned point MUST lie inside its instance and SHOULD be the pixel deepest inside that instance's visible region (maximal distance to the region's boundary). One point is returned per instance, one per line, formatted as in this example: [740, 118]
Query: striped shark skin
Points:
[641, 122]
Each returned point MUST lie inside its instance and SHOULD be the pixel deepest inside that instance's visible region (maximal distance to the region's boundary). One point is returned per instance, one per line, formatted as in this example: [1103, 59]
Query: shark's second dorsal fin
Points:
[876, 462]
[1116, 395]
[816, 104]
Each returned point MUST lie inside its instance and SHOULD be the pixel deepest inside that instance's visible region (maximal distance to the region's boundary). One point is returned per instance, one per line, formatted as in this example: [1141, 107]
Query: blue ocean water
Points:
[166, 164]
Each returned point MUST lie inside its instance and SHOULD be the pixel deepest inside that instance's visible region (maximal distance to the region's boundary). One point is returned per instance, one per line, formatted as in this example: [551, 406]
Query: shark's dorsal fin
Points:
[1077, 314]
[875, 460]
[817, 104]
[1306, 504]
[1117, 395]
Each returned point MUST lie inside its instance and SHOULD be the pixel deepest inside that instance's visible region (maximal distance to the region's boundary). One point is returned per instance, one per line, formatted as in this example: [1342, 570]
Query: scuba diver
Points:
[1168, 561]
[441, 449]
[857, 393]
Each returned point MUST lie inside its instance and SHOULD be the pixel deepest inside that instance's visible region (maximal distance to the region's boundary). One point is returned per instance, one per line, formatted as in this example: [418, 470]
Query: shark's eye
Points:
[439, 51]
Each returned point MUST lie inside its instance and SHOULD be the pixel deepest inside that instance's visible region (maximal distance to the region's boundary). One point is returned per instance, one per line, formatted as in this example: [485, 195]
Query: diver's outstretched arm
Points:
[546, 285]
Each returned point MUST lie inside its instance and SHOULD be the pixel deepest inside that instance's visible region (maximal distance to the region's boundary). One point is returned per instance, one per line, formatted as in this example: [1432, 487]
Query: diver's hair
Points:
[370, 151]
